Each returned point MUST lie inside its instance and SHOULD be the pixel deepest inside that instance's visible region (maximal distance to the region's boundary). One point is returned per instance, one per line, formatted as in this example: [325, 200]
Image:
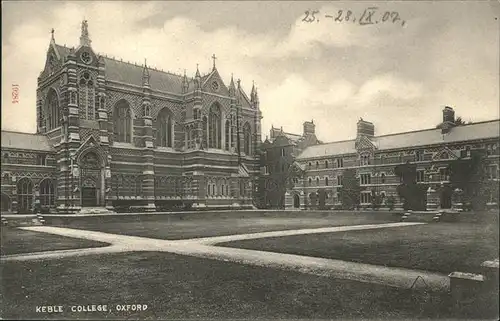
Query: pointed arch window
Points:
[247, 139]
[205, 132]
[214, 127]
[122, 119]
[24, 195]
[228, 134]
[53, 113]
[86, 95]
[164, 128]
[47, 193]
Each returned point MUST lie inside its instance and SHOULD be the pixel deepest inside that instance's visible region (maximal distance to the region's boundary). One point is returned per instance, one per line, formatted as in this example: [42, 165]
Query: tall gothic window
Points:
[122, 120]
[228, 134]
[205, 131]
[214, 127]
[24, 195]
[86, 95]
[53, 116]
[247, 138]
[47, 193]
[164, 126]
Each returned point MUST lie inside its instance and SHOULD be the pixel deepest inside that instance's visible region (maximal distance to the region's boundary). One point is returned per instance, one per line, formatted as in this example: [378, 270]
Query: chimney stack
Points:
[309, 128]
[448, 119]
[365, 128]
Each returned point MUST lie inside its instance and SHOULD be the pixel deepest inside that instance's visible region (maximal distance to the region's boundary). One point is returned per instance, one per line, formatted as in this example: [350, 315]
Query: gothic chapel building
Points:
[114, 134]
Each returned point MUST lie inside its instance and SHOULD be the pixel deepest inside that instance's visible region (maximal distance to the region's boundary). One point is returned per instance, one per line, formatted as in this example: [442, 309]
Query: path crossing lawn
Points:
[16, 241]
[185, 287]
[440, 247]
[172, 228]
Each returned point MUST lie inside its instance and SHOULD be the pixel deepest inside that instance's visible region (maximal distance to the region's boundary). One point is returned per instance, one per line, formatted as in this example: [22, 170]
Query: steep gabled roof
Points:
[132, 74]
[25, 141]
[475, 131]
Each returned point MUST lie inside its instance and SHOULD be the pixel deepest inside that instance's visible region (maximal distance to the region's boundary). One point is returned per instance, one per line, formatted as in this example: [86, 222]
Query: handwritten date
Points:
[15, 94]
[369, 16]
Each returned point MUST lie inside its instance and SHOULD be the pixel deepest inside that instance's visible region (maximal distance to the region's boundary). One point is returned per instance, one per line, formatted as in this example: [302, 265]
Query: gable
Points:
[53, 61]
[213, 83]
[282, 140]
[363, 143]
[91, 145]
[83, 50]
[444, 154]
[297, 169]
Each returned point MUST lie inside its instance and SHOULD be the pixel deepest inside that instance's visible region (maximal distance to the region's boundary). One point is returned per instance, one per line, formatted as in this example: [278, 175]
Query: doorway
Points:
[296, 201]
[89, 197]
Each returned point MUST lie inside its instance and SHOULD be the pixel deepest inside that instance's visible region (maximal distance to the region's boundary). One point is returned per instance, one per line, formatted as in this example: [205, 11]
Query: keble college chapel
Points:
[113, 134]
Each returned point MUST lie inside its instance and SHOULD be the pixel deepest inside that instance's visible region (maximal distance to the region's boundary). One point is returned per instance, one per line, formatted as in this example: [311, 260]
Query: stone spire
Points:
[238, 90]
[185, 83]
[197, 78]
[232, 89]
[145, 75]
[84, 38]
[252, 92]
[255, 98]
[52, 39]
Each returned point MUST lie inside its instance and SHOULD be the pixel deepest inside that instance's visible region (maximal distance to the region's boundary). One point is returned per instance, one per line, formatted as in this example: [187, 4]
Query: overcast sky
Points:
[397, 76]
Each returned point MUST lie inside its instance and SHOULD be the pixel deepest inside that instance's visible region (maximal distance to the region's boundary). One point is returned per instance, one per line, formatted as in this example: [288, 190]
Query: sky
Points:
[397, 75]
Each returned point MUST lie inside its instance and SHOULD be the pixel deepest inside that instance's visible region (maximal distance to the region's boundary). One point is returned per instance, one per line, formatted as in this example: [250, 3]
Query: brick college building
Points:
[278, 152]
[112, 133]
[319, 168]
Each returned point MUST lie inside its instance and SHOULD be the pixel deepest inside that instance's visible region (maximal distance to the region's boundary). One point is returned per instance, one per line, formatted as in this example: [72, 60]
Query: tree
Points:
[350, 190]
[413, 194]
[470, 176]
[458, 122]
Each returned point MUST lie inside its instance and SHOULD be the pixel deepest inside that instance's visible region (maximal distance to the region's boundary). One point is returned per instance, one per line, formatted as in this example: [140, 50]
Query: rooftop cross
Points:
[214, 57]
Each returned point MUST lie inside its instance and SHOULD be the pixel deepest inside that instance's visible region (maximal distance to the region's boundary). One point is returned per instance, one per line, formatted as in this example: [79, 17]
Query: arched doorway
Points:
[24, 195]
[5, 203]
[91, 180]
[322, 198]
[445, 197]
[296, 201]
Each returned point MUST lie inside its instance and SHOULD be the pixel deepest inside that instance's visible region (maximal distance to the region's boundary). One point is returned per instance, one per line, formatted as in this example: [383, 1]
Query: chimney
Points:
[309, 128]
[365, 128]
[448, 115]
[448, 119]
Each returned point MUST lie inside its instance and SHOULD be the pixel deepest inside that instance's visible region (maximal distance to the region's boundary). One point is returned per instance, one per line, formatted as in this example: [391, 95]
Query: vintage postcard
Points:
[250, 160]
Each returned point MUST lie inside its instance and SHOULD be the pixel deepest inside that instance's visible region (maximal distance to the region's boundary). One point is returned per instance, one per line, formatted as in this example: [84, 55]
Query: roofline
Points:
[423, 130]
[408, 132]
[17, 132]
[150, 68]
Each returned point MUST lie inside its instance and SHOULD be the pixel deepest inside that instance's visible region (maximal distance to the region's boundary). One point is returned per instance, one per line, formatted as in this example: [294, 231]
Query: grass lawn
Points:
[441, 247]
[186, 287]
[16, 241]
[166, 227]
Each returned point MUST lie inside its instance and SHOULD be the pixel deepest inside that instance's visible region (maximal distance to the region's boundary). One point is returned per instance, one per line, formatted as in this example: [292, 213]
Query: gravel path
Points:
[203, 248]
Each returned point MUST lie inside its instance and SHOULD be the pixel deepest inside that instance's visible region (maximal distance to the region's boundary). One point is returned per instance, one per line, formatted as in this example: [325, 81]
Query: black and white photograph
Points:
[217, 160]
